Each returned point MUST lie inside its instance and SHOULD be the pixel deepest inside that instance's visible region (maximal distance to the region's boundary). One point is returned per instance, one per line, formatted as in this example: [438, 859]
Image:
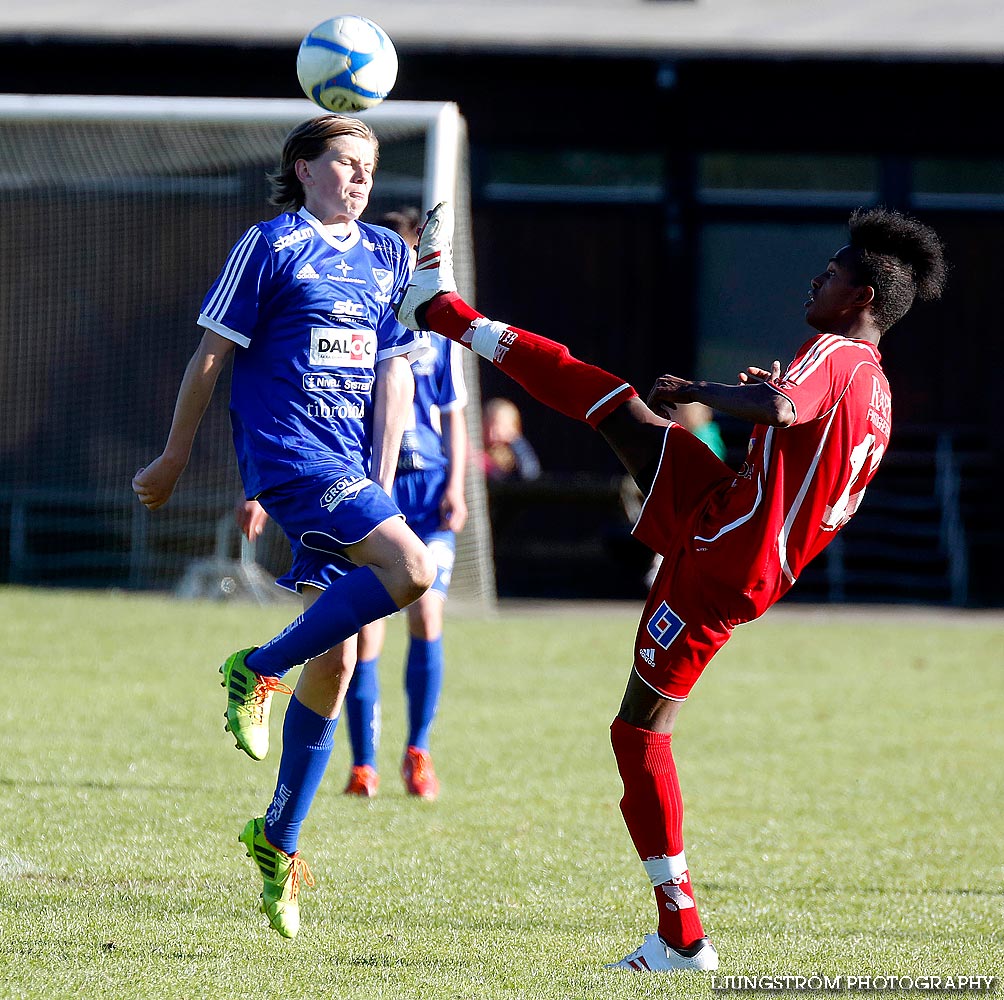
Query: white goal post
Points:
[115, 214]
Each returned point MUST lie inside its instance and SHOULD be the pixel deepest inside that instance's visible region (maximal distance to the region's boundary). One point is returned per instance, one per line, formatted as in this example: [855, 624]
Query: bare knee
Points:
[418, 574]
[409, 575]
[644, 709]
[399, 559]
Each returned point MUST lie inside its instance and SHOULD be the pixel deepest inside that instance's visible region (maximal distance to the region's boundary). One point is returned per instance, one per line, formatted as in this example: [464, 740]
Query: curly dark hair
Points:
[307, 141]
[901, 258]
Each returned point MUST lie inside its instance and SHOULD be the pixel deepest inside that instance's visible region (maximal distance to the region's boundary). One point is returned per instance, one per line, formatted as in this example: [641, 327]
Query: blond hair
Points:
[307, 141]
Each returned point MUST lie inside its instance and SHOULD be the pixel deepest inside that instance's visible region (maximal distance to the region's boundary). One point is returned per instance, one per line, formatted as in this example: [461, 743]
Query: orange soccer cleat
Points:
[418, 774]
[363, 781]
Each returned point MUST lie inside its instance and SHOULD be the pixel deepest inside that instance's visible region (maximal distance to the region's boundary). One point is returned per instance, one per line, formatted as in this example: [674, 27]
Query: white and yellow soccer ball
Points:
[346, 64]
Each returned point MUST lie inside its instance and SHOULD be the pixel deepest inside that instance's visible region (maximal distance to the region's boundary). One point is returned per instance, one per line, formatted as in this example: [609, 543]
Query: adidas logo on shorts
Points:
[648, 655]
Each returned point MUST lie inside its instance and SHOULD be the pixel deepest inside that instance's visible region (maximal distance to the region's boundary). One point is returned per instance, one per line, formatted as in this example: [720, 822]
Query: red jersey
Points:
[754, 532]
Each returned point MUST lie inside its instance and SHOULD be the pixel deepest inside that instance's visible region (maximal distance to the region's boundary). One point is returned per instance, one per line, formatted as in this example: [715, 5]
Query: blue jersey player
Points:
[429, 489]
[321, 392]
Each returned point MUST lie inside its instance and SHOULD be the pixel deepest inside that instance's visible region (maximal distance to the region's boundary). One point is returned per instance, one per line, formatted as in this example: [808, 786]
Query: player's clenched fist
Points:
[155, 483]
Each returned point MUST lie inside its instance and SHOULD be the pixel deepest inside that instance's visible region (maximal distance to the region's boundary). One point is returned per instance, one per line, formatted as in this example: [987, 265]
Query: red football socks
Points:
[543, 367]
[652, 807]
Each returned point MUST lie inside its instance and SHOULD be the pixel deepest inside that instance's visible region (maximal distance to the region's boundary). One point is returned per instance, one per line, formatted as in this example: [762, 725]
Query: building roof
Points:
[920, 29]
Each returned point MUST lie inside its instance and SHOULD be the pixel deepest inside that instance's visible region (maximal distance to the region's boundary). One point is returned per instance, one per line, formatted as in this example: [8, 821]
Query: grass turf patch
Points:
[842, 779]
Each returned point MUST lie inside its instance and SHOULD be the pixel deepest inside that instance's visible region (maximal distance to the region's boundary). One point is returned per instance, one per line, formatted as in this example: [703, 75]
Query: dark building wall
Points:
[618, 280]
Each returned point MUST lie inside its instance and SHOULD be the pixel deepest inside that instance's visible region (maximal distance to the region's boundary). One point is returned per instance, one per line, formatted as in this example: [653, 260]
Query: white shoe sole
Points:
[433, 267]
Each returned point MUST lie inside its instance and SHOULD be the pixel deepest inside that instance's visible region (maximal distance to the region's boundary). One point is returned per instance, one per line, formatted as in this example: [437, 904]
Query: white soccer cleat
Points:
[433, 268]
[655, 955]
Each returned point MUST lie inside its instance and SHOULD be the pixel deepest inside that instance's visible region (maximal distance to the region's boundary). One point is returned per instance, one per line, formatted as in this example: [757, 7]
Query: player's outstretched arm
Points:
[756, 397]
[154, 483]
[393, 396]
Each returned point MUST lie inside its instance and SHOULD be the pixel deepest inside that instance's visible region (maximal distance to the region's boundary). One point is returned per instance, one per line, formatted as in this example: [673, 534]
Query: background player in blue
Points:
[429, 489]
[321, 391]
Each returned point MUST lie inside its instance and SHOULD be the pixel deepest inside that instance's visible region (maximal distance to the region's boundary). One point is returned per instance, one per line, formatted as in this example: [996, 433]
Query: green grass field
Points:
[843, 778]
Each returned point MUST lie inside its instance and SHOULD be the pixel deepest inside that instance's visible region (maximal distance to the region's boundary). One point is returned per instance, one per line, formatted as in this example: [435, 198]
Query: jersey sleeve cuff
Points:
[781, 392]
[224, 331]
[410, 349]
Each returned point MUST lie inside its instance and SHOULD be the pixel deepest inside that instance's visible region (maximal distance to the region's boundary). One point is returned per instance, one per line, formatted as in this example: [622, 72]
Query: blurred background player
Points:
[429, 490]
[733, 542]
[508, 455]
[321, 392]
[699, 419]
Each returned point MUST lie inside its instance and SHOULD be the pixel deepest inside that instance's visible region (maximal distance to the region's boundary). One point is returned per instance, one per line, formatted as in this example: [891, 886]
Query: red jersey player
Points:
[733, 543]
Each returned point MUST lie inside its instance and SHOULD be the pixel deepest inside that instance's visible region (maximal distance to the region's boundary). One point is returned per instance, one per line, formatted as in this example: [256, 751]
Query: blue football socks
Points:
[423, 681]
[362, 713]
[307, 739]
[352, 601]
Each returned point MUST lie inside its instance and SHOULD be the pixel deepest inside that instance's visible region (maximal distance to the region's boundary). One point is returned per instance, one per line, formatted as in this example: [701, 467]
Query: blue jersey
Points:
[439, 388]
[312, 312]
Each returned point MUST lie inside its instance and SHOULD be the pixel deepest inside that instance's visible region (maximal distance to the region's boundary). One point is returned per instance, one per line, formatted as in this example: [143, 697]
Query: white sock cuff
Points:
[486, 336]
[665, 869]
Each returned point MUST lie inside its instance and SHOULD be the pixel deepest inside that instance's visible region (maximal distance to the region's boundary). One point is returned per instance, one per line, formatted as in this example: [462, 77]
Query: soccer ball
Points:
[347, 63]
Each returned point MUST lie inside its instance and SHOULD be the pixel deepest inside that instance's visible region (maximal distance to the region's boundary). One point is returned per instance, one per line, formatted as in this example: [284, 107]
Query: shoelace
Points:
[265, 686]
[300, 870]
[635, 960]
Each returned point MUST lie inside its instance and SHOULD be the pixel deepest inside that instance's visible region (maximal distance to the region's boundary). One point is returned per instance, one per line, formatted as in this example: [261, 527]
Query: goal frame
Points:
[444, 133]
[442, 120]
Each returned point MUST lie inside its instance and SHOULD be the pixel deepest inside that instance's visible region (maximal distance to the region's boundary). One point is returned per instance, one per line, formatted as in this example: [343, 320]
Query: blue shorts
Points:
[417, 493]
[321, 514]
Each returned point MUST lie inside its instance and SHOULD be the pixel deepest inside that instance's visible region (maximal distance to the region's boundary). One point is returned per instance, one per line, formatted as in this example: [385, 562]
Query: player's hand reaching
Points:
[756, 397]
[155, 483]
[667, 392]
[251, 518]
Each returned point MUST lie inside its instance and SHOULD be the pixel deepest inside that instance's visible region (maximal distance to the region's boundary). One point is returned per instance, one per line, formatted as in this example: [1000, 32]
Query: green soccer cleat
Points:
[249, 701]
[282, 874]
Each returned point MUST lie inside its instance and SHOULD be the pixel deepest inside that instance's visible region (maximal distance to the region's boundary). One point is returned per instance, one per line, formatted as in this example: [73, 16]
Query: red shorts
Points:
[690, 612]
[680, 630]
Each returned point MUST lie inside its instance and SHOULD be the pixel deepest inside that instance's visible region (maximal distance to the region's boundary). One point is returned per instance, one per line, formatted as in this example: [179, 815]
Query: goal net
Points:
[115, 216]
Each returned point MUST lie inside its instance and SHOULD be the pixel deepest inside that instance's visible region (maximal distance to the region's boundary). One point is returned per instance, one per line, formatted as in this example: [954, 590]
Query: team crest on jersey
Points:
[342, 489]
[383, 278]
[333, 348]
